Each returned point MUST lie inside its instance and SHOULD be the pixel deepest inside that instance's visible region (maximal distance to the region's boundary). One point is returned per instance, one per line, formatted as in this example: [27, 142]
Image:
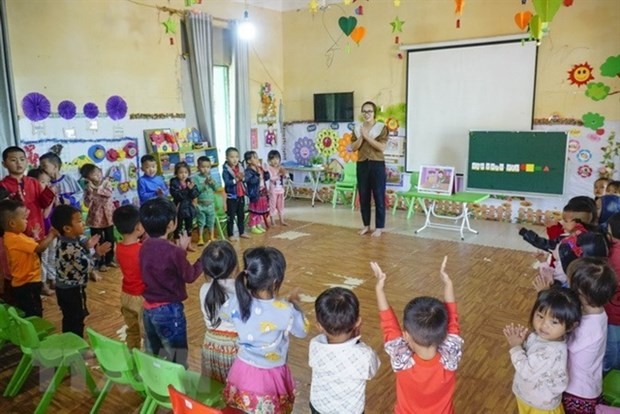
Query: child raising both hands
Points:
[426, 353]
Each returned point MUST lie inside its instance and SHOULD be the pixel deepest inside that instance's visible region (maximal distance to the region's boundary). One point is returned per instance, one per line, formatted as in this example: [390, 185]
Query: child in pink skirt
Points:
[255, 179]
[259, 380]
[277, 177]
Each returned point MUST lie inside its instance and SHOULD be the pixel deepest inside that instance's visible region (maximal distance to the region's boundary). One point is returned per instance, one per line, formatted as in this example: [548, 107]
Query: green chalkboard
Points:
[517, 162]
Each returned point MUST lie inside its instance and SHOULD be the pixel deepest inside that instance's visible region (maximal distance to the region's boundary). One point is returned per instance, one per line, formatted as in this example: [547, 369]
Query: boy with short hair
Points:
[165, 271]
[74, 262]
[35, 197]
[341, 363]
[206, 199]
[127, 221]
[23, 256]
[426, 354]
[150, 185]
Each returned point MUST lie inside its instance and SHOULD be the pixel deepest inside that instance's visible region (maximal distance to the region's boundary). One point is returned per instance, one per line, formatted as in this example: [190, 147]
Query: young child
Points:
[23, 256]
[234, 185]
[150, 185]
[206, 186]
[74, 263]
[165, 271]
[127, 221]
[341, 363]
[5, 272]
[613, 188]
[48, 270]
[260, 380]
[608, 204]
[426, 353]
[35, 197]
[219, 349]
[600, 186]
[68, 189]
[595, 284]
[277, 176]
[255, 179]
[98, 199]
[184, 193]
[612, 352]
[541, 374]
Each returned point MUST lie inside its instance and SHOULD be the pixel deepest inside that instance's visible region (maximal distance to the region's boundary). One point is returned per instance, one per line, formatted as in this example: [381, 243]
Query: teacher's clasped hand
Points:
[370, 138]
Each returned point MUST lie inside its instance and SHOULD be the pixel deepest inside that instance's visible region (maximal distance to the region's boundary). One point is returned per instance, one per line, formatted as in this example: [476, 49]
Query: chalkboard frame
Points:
[510, 192]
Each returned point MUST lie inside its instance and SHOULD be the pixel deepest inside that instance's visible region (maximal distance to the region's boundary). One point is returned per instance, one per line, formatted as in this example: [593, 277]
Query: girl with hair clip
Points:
[219, 349]
[184, 192]
[595, 283]
[539, 359]
[255, 179]
[259, 380]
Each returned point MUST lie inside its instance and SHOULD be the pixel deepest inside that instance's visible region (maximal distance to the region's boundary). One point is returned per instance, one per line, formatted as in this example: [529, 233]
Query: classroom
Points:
[490, 121]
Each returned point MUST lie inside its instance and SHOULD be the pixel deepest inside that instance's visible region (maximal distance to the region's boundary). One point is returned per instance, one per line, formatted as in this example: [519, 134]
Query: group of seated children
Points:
[575, 321]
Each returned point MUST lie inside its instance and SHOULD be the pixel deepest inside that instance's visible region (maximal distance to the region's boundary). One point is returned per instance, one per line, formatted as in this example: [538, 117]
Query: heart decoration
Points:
[358, 34]
[347, 24]
[536, 27]
[546, 9]
[522, 19]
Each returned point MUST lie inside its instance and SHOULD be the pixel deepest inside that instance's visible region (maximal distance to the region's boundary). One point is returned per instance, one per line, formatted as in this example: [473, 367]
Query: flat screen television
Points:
[333, 107]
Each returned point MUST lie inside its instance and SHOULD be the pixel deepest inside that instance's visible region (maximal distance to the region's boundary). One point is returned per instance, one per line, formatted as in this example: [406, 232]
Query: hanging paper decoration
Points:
[359, 10]
[397, 25]
[313, 6]
[116, 107]
[568, 3]
[396, 3]
[327, 141]
[170, 26]
[536, 28]
[522, 19]
[36, 106]
[347, 2]
[91, 110]
[304, 150]
[358, 34]
[344, 148]
[458, 10]
[546, 9]
[347, 24]
[66, 110]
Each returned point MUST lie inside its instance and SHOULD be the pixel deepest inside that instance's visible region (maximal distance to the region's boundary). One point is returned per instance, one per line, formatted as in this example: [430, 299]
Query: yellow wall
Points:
[586, 31]
[88, 50]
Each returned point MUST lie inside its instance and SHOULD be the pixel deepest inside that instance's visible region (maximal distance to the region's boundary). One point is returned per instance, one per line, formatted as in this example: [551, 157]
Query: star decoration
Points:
[396, 3]
[313, 5]
[170, 25]
[347, 2]
[397, 25]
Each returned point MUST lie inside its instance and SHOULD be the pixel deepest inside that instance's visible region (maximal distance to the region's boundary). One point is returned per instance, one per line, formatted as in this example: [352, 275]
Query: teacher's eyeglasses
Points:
[368, 112]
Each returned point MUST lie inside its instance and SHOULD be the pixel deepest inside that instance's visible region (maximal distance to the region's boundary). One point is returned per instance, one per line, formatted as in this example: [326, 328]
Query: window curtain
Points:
[241, 90]
[199, 34]
[8, 116]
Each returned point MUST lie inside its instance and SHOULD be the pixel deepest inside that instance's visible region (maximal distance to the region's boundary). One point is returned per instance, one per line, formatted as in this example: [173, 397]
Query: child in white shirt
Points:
[341, 363]
[541, 374]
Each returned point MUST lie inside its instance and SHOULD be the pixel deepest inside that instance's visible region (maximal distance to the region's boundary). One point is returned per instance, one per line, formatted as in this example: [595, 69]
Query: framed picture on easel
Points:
[437, 179]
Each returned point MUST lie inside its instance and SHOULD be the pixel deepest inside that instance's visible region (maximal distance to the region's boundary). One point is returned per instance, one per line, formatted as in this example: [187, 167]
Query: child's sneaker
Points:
[256, 230]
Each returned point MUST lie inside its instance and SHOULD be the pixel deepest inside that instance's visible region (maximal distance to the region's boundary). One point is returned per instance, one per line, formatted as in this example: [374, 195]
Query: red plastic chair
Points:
[183, 404]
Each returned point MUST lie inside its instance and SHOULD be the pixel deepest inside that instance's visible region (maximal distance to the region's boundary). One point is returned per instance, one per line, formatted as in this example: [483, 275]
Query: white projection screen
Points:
[455, 87]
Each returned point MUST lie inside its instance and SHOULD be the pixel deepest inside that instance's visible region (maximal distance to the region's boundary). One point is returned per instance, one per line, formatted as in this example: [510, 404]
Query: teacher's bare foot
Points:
[364, 231]
[377, 233]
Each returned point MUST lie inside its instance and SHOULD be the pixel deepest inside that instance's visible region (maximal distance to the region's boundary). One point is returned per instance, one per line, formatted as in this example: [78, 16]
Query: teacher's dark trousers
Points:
[371, 180]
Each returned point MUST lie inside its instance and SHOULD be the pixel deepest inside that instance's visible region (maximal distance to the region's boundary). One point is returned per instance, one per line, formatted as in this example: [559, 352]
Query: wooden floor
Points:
[492, 289]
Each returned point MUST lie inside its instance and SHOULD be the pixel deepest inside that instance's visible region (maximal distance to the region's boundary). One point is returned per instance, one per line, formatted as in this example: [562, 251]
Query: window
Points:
[221, 106]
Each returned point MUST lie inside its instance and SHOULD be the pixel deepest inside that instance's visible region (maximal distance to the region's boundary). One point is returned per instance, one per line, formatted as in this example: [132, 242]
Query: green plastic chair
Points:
[409, 196]
[157, 374]
[611, 388]
[220, 216]
[348, 184]
[60, 351]
[116, 363]
[8, 330]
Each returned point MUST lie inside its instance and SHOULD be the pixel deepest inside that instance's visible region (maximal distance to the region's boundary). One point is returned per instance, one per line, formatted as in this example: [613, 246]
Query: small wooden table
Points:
[462, 197]
[314, 173]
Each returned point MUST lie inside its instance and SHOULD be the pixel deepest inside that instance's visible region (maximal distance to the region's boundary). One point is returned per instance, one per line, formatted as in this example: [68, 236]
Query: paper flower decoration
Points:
[116, 107]
[112, 155]
[97, 153]
[131, 149]
[326, 142]
[344, 148]
[66, 110]
[36, 106]
[304, 150]
[91, 110]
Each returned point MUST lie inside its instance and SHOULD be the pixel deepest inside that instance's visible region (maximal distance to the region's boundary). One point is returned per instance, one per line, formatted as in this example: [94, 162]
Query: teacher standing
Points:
[370, 138]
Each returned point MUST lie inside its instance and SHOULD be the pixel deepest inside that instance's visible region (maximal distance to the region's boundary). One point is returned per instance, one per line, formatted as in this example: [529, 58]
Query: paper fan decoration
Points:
[91, 110]
[304, 150]
[327, 142]
[66, 110]
[116, 107]
[36, 106]
[344, 148]
[131, 149]
[97, 153]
